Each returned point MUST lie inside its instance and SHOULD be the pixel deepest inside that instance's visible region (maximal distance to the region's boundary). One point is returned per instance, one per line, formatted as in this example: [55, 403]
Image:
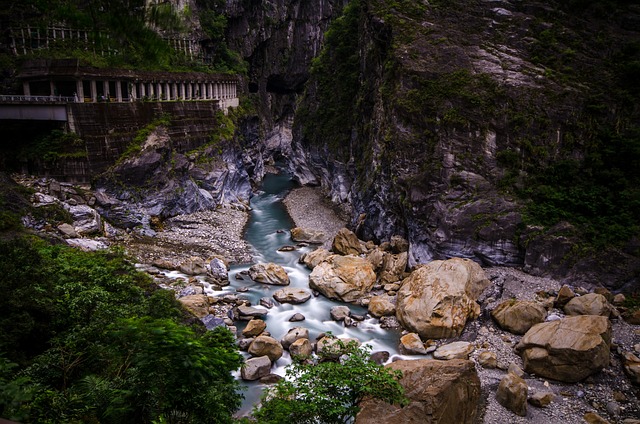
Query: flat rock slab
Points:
[292, 295]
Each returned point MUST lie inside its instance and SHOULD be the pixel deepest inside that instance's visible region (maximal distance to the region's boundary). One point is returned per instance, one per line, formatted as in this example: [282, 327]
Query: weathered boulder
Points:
[376, 257]
[380, 306]
[249, 312]
[255, 368]
[393, 267]
[266, 346]
[301, 347]
[588, 304]
[438, 392]
[512, 394]
[269, 274]
[346, 278]
[307, 235]
[410, 344]
[67, 230]
[488, 359]
[197, 304]
[518, 316]
[218, 269]
[339, 313]
[296, 333]
[455, 350]
[346, 243]
[436, 300]
[292, 295]
[313, 258]
[192, 266]
[565, 294]
[254, 328]
[567, 350]
[541, 399]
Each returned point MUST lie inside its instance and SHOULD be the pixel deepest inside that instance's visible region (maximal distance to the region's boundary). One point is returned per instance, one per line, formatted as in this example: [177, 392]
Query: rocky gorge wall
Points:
[447, 113]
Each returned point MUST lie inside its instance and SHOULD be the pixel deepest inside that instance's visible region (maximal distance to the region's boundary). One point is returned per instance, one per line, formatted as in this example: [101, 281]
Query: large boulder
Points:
[455, 350]
[255, 368]
[346, 243]
[86, 220]
[518, 316]
[438, 392]
[269, 274]
[301, 347]
[436, 300]
[218, 269]
[192, 266]
[345, 278]
[313, 258]
[255, 327]
[410, 344]
[296, 333]
[588, 304]
[266, 346]
[292, 295]
[567, 350]
[197, 304]
[393, 267]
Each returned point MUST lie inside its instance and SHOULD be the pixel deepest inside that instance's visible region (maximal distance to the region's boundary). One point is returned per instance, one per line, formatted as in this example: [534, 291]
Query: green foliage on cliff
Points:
[329, 391]
[95, 341]
[336, 84]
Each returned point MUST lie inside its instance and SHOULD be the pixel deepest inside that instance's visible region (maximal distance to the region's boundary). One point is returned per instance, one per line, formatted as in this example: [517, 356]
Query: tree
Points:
[325, 390]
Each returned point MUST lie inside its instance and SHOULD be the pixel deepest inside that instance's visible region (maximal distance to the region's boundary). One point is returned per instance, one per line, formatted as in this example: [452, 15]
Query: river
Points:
[268, 230]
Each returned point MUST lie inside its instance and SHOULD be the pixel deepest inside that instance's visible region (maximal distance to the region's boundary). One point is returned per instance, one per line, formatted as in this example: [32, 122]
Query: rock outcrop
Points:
[438, 392]
[567, 350]
[436, 300]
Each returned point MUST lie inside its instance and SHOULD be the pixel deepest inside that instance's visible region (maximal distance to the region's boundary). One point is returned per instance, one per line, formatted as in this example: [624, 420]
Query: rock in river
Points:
[269, 274]
[292, 295]
[346, 278]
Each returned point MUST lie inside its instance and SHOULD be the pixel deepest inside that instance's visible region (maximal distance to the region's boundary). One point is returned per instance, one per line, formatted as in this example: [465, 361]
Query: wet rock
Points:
[307, 235]
[270, 379]
[248, 312]
[255, 368]
[301, 348]
[346, 243]
[243, 344]
[518, 316]
[345, 278]
[512, 394]
[436, 300]
[254, 328]
[287, 249]
[567, 350]
[269, 274]
[455, 350]
[192, 266]
[296, 333]
[380, 357]
[312, 259]
[292, 295]
[589, 304]
[266, 346]
[410, 344]
[541, 399]
[218, 269]
[381, 306]
[266, 302]
[297, 317]
[438, 392]
[339, 313]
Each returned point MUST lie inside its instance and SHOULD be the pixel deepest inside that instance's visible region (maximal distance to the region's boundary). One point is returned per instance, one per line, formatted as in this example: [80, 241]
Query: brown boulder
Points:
[589, 304]
[518, 316]
[313, 258]
[346, 278]
[512, 394]
[567, 350]
[438, 392]
[269, 274]
[393, 267]
[255, 327]
[307, 235]
[266, 346]
[380, 306]
[346, 243]
[197, 304]
[436, 300]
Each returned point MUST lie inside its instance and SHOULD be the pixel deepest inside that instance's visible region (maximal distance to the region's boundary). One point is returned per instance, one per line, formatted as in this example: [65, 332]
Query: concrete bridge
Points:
[49, 86]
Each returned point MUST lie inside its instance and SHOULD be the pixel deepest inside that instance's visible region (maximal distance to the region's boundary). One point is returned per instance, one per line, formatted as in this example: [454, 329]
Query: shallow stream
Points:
[267, 231]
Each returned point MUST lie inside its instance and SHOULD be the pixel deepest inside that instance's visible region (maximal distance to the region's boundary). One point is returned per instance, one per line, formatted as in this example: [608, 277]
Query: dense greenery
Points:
[123, 33]
[329, 389]
[94, 341]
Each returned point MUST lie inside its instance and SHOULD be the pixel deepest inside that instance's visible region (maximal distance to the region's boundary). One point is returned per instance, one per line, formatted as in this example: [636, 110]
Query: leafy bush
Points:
[328, 390]
[97, 342]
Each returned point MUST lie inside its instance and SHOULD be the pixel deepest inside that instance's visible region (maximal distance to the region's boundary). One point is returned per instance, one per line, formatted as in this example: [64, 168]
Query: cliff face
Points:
[481, 129]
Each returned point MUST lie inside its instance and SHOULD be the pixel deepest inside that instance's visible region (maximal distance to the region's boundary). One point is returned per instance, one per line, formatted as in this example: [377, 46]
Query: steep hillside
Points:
[501, 131]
